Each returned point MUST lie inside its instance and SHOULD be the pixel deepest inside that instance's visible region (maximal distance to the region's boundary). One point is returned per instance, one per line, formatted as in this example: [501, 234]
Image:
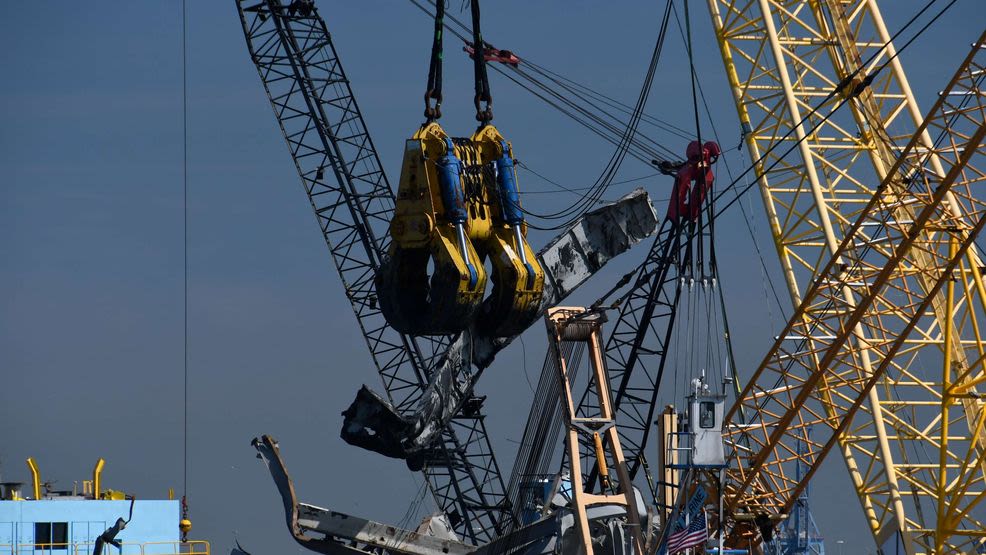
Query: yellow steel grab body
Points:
[423, 232]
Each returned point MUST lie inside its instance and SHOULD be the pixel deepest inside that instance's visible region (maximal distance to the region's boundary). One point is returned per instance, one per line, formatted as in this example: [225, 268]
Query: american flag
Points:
[690, 536]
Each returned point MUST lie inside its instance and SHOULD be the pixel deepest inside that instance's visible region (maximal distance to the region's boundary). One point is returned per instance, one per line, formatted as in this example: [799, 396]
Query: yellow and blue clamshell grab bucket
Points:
[457, 207]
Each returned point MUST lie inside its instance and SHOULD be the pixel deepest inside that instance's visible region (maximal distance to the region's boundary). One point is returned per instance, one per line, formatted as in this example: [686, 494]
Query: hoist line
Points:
[482, 80]
[729, 172]
[579, 208]
[577, 190]
[575, 92]
[626, 141]
[616, 159]
[543, 427]
[433, 90]
[615, 131]
[691, 68]
[591, 122]
[607, 100]
[184, 161]
[618, 156]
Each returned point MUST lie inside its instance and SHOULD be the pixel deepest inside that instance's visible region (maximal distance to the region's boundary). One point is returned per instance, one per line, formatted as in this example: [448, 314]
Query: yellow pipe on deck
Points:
[35, 477]
[97, 472]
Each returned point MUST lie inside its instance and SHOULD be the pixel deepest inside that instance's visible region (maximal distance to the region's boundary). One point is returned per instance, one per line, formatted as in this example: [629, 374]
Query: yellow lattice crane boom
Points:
[888, 371]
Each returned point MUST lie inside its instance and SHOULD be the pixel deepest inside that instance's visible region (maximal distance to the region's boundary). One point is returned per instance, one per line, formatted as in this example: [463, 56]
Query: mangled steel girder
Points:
[345, 534]
[334, 533]
[568, 260]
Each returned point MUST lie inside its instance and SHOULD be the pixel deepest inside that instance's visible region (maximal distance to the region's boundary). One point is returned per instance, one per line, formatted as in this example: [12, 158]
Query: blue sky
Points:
[91, 235]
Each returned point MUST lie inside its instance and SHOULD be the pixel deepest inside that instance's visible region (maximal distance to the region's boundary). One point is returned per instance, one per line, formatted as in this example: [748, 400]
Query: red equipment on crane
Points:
[693, 181]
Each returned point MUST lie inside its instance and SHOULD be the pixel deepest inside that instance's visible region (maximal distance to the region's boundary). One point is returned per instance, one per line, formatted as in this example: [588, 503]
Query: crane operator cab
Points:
[457, 207]
[698, 439]
[705, 415]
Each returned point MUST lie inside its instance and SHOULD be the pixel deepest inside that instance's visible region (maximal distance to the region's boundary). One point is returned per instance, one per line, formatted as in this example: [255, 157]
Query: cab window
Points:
[706, 414]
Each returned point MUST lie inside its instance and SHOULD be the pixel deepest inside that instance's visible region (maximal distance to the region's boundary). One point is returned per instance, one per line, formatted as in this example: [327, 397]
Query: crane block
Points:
[457, 206]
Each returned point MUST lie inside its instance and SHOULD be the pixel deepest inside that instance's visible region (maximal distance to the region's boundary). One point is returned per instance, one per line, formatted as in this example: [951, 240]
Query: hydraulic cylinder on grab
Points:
[457, 207]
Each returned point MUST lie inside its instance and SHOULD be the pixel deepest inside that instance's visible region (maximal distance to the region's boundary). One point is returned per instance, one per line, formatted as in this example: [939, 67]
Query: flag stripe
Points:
[694, 534]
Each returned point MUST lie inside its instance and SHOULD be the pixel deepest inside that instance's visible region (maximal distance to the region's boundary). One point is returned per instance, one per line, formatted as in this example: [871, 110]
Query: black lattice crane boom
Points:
[354, 203]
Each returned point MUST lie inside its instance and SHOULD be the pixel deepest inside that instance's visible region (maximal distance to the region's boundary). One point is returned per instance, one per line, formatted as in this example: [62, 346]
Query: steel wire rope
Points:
[701, 297]
[580, 207]
[635, 150]
[433, 90]
[614, 130]
[542, 428]
[575, 92]
[614, 127]
[609, 101]
[729, 172]
[184, 162]
[576, 190]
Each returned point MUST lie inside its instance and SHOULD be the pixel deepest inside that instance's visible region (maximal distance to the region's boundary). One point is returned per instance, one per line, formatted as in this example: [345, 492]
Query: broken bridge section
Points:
[569, 260]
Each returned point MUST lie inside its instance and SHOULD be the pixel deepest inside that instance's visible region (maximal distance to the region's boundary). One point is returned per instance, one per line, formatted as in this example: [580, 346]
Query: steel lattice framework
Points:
[884, 384]
[636, 349]
[637, 345]
[352, 199]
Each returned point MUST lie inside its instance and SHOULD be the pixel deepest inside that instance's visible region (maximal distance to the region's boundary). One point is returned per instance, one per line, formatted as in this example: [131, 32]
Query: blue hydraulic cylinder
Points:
[507, 185]
[509, 197]
[453, 197]
[450, 184]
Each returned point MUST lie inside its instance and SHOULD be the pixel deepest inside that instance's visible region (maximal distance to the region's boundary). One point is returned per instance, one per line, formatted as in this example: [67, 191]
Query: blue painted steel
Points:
[450, 183]
[509, 196]
[453, 197]
[507, 185]
[153, 521]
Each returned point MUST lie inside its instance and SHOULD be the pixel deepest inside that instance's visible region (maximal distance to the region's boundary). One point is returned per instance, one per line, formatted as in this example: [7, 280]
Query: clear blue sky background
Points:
[91, 240]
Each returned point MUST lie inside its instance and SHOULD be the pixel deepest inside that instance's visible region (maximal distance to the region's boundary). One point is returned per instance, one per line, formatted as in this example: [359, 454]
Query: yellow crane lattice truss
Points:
[823, 75]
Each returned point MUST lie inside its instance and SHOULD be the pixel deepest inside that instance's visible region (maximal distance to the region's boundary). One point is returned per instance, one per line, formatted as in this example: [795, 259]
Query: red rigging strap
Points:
[492, 54]
[693, 181]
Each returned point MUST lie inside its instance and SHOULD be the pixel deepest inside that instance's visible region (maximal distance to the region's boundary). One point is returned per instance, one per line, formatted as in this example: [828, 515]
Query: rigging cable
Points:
[484, 115]
[433, 90]
[184, 525]
[573, 212]
[574, 86]
[842, 86]
[691, 67]
[624, 146]
[609, 131]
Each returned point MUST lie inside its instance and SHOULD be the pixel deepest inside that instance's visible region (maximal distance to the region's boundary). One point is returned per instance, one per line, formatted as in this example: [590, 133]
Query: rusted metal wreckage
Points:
[561, 519]
[354, 204]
